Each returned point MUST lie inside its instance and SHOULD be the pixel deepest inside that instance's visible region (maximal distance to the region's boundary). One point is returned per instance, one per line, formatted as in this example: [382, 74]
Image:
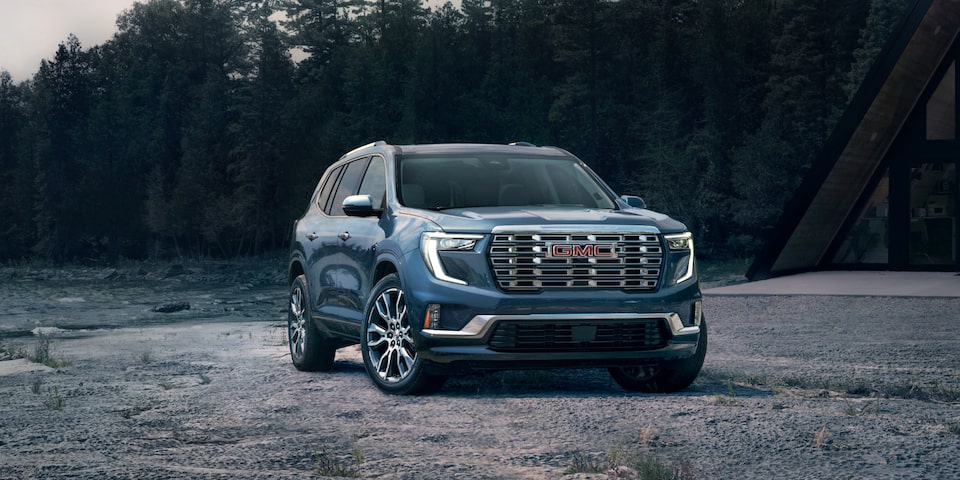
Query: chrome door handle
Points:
[312, 236]
[344, 236]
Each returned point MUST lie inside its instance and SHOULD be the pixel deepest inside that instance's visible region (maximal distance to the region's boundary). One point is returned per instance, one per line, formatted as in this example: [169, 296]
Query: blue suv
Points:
[440, 258]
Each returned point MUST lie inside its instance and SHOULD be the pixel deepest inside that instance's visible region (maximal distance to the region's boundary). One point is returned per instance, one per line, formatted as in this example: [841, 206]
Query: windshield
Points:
[441, 182]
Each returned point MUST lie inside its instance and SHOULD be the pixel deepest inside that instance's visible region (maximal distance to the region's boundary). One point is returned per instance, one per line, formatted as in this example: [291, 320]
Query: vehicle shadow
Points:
[577, 382]
[561, 382]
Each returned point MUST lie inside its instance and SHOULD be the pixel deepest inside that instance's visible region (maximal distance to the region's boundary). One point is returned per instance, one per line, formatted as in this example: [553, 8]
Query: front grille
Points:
[537, 261]
[599, 336]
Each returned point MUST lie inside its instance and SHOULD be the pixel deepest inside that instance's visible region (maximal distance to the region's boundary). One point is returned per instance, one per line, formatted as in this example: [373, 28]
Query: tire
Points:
[309, 350]
[389, 354]
[671, 377]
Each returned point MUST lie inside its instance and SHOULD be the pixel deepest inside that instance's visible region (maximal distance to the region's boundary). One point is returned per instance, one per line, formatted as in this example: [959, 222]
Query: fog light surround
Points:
[431, 319]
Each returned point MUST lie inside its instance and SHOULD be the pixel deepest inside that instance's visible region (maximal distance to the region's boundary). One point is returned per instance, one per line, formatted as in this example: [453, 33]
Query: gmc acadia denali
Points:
[439, 258]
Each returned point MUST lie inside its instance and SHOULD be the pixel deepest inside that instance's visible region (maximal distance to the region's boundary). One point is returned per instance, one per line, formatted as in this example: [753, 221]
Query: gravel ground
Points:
[793, 387]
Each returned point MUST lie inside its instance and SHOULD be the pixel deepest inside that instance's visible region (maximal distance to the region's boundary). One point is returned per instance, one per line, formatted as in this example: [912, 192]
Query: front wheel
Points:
[389, 354]
[671, 377]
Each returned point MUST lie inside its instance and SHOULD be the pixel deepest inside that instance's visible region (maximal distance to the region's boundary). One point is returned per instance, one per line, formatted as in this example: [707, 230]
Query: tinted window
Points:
[327, 187]
[375, 182]
[349, 183]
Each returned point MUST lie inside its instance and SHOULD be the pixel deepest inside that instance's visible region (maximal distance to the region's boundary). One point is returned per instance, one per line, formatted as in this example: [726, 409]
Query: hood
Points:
[483, 220]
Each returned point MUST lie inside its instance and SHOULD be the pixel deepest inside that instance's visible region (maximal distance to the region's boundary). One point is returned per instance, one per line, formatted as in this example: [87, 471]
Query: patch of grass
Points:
[277, 336]
[36, 386]
[329, 465]
[945, 393]
[648, 434]
[822, 438]
[53, 401]
[911, 389]
[855, 411]
[728, 402]
[583, 463]
[807, 383]
[713, 375]
[145, 357]
[620, 464]
[934, 392]
[167, 385]
[730, 399]
[42, 353]
[205, 379]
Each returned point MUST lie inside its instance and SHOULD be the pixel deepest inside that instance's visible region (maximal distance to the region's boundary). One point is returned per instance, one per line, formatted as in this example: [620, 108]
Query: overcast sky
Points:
[31, 30]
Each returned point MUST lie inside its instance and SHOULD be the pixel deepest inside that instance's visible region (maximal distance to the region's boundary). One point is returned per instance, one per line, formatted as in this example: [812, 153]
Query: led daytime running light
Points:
[432, 243]
[680, 242]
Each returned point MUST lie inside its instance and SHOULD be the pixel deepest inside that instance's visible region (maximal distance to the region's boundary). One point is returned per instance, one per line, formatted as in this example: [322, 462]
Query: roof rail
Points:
[378, 143]
[521, 144]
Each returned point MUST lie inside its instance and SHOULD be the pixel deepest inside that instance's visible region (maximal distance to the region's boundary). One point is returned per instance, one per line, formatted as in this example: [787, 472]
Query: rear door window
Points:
[324, 198]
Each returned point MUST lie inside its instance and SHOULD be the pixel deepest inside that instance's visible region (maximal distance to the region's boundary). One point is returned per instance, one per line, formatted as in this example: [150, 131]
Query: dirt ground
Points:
[793, 387]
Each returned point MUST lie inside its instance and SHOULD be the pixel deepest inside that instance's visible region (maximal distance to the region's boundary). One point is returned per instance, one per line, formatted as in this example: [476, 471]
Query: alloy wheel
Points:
[388, 339]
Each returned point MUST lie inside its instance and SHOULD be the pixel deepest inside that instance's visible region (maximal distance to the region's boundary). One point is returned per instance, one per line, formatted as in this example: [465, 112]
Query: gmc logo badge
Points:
[593, 250]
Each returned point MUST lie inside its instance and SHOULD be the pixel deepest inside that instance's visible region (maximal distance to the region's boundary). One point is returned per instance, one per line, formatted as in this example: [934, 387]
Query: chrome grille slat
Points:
[520, 261]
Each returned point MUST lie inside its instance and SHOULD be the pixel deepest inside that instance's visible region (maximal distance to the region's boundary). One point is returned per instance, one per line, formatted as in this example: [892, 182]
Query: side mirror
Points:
[360, 206]
[634, 201]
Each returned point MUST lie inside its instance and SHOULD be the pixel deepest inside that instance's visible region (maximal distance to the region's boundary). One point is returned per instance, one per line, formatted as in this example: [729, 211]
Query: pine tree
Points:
[16, 173]
[61, 103]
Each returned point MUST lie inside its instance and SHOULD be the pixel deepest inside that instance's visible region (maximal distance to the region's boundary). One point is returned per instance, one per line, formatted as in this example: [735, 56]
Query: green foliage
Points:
[53, 400]
[620, 463]
[328, 465]
[883, 17]
[192, 131]
[43, 354]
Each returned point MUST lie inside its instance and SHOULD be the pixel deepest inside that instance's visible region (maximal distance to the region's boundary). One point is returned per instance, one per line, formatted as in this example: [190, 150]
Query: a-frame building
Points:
[883, 194]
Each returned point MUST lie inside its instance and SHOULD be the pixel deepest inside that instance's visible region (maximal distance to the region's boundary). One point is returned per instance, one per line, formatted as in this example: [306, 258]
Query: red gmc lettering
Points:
[581, 251]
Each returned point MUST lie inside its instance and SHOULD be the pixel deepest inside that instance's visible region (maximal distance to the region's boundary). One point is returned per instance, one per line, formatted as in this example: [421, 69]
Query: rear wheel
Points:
[389, 354]
[671, 377]
[309, 350]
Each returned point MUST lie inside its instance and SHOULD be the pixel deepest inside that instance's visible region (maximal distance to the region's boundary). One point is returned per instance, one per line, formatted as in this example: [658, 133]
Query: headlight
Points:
[681, 243]
[432, 243]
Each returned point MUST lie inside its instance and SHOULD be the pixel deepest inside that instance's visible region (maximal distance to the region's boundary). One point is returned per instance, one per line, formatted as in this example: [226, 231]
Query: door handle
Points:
[312, 236]
[344, 236]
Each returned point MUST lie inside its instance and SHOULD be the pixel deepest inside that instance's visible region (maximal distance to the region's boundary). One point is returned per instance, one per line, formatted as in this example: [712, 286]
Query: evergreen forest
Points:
[201, 127]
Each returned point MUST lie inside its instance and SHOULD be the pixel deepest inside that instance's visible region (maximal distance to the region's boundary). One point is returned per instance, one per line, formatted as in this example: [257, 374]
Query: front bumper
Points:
[476, 345]
[480, 325]
[467, 337]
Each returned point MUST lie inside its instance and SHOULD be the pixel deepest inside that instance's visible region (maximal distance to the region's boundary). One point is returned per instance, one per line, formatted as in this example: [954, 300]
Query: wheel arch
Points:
[296, 269]
[385, 266]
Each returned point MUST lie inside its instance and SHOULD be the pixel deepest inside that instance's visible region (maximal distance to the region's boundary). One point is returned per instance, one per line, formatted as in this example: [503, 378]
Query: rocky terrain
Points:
[98, 381]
